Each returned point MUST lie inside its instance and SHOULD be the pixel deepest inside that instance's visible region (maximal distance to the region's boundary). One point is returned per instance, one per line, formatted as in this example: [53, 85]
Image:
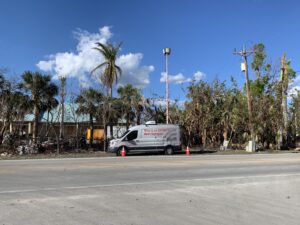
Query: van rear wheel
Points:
[169, 150]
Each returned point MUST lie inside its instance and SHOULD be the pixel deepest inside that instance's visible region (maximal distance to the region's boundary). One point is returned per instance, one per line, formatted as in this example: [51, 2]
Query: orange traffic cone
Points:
[187, 151]
[123, 152]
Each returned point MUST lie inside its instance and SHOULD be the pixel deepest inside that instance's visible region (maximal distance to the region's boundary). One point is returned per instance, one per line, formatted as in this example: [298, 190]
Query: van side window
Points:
[132, 135]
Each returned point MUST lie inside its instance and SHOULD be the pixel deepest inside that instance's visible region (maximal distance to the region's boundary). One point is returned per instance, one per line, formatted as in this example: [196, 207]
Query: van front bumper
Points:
[112, 149]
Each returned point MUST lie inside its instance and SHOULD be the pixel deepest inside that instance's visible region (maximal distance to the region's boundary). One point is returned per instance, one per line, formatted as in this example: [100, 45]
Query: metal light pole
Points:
[167, 52]
[62, 105]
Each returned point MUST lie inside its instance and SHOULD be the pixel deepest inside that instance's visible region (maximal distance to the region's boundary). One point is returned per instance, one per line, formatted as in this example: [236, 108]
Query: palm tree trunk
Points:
[47, 124]
[225, 135]
[62, 102]
[61, 125]
[111, 124]
[204, 137]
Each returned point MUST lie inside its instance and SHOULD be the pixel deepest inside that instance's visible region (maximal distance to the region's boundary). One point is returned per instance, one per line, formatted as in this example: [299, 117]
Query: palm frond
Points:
[99, 66]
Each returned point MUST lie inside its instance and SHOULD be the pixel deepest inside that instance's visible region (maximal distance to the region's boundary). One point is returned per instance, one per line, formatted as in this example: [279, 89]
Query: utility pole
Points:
[284, 87]
[296, 114]
[244, 66]
[167, 52]
[62, 106]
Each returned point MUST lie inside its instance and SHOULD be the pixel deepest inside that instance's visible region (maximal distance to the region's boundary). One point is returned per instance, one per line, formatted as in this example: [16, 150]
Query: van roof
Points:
[152, 125]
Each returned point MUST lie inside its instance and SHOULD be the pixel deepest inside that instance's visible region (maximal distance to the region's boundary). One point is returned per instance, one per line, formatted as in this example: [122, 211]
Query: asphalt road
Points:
[152, 190]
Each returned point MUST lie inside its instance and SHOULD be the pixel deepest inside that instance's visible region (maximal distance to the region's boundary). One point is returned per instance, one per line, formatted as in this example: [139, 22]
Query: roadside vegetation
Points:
[214, 112]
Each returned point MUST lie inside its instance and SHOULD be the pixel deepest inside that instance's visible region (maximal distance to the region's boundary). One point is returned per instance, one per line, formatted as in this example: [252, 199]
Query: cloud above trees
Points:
[180, 78]
[80, 62]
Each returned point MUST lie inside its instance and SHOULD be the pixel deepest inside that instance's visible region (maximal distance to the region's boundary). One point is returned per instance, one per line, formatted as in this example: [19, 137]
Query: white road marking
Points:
[147, 183]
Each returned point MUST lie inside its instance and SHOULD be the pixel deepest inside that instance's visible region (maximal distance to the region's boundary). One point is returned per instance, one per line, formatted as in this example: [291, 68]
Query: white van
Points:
[150, 137]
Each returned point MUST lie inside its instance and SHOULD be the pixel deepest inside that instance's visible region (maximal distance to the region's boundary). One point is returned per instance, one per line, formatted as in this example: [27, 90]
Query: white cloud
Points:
[294, 86]
[162, 102]
[199, 76]
[176, 79]
[180, 78]
[81, 62]
[293, 91]
[132, 71]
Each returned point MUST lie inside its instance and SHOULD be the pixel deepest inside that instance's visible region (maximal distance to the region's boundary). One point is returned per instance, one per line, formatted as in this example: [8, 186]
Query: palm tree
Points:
[17, 106]
[14, 103]
[89, 102]
[131, 103]
[41, 89]
[111, 71]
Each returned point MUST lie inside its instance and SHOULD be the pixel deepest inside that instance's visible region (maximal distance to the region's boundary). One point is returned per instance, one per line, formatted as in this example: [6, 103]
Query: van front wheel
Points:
[119, 151]
[169, 150]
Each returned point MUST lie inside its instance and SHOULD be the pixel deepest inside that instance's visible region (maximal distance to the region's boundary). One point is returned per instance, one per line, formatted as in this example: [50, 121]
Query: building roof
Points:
[70, 115]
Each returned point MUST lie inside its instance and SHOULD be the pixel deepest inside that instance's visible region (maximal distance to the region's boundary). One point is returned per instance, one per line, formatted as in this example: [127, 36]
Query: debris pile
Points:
[27, 149]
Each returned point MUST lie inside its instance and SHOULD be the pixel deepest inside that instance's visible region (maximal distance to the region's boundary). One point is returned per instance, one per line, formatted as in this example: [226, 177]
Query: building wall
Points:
[70, 129]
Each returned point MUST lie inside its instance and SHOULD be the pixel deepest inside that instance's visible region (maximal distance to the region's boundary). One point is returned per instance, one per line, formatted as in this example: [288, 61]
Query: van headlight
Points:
[112, 143]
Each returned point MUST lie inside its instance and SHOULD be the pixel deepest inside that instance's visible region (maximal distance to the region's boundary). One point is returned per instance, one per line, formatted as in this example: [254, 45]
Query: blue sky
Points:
[55, 36]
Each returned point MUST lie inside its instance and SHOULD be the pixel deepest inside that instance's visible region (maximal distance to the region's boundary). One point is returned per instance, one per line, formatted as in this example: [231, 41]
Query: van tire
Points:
[169, 150]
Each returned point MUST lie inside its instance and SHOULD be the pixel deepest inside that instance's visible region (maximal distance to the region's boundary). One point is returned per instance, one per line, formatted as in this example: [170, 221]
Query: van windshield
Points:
[126, 132]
